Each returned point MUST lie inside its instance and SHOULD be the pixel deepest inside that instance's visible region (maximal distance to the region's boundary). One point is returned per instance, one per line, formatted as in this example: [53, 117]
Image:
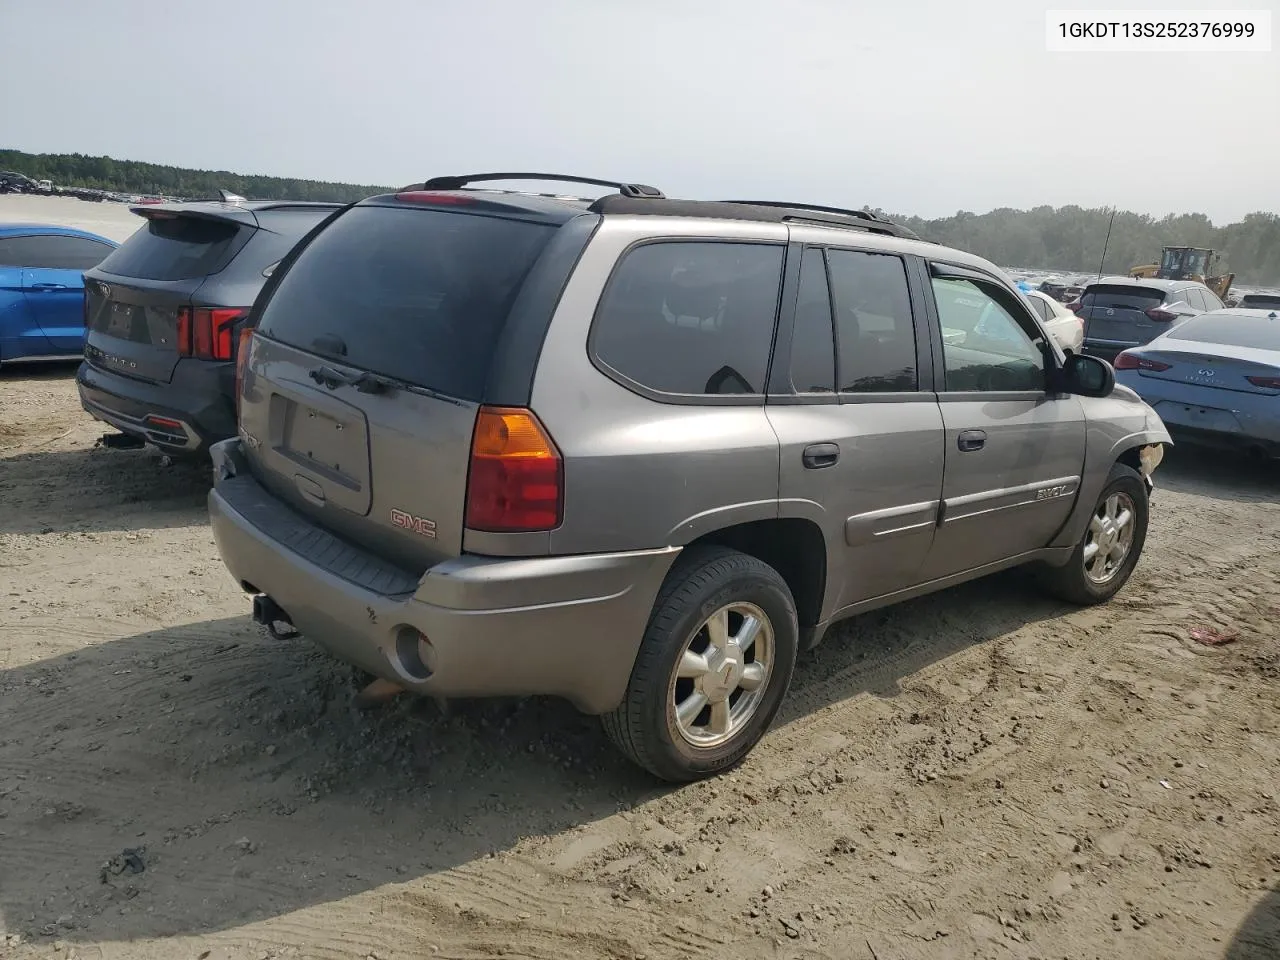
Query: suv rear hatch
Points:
[1121, 315]
[139, 300]
[366, 375]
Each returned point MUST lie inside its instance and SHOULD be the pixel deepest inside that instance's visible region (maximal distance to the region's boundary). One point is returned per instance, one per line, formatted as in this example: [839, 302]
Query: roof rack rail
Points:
[861, 214]
[637, 190]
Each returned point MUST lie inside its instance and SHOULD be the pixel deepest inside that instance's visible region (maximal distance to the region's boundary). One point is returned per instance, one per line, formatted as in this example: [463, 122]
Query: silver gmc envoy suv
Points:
[639, 452]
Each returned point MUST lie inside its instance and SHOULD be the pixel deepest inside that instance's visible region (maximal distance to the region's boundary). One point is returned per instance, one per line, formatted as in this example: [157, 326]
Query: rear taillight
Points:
[516, 479]
[1076, 307]
[1268, 383]
[1129, 361]
[1161, 316]
[242, 359]
[208, 333]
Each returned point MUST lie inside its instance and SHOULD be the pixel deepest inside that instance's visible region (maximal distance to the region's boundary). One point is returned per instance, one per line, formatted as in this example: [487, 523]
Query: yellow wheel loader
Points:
[1186, 263]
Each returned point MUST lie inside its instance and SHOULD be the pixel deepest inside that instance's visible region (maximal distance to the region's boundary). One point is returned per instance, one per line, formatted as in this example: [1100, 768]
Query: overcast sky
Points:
[917, 106]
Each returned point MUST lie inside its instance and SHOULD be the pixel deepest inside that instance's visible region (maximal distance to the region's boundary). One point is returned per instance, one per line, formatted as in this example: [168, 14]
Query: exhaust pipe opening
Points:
[271, 615]
[121, 441]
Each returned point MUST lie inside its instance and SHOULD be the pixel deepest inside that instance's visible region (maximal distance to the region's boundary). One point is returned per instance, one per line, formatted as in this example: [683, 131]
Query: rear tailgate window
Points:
[1231, 331]
[1117, 296]
[418, 295]
[178, 247]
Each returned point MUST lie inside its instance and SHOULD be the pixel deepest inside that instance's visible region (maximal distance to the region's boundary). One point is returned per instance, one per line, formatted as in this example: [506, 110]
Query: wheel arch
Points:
[1126, 450]
[794, 546]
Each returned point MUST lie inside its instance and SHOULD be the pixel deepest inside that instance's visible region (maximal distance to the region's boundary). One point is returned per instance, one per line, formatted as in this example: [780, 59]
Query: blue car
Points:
[42, 289]
[1214, 379]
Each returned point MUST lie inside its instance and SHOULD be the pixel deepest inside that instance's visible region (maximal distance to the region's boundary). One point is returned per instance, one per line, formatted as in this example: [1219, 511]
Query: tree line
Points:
[135, 177]
[1071, 239]
[1068, 238]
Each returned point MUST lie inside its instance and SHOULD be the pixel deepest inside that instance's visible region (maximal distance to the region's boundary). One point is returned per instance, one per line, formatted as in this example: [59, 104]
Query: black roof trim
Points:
[768, 211]
[458, 182]
[860, 214]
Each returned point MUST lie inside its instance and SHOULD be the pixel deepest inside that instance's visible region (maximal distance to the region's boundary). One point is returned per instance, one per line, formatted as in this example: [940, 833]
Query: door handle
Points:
[971, 440]
[48, 286]
[819, 455]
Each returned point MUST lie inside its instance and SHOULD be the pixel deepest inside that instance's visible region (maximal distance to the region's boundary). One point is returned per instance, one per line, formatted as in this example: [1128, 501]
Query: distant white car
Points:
[1064, 326]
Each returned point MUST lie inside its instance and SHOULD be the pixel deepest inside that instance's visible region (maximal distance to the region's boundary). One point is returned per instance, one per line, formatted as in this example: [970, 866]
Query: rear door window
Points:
[691, 317]
[417, 295]
[1211, 300]
[178, 248]
[1041, 308]
[52, 252]
[1192, 296]
[875, 331]
[813, 357]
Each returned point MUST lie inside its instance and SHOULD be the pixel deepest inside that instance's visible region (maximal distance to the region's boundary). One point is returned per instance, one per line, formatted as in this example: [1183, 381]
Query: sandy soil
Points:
[111, 220]
[983, 773]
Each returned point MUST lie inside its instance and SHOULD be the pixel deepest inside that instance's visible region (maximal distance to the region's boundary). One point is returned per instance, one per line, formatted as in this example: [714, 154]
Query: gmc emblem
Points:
[419, 525]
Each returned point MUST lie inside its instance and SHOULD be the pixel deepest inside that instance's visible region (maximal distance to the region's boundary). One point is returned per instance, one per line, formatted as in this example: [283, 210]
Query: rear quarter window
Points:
[418, 295]
[178, 248]
[692, 318]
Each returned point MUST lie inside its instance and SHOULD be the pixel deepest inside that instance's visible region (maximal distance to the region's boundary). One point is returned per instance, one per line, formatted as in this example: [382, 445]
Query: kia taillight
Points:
[516, 478]
[207, 333]
[1267, 383]
[242, 359]
[1129, 361]
[1161, 316]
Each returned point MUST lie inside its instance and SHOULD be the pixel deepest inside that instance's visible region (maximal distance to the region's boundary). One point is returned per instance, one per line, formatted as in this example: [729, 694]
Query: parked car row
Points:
[640, 452]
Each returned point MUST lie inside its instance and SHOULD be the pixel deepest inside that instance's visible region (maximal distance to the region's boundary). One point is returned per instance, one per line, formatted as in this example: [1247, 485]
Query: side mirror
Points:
[1088, 376]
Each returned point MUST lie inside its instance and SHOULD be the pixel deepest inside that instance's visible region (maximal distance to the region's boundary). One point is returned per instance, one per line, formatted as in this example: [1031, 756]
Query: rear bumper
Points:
[1206, 417]
[470, 627]
[195, 403]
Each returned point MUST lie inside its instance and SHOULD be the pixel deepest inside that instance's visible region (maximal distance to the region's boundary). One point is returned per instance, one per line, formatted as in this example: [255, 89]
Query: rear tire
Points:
[1111, 545]
[715, 662]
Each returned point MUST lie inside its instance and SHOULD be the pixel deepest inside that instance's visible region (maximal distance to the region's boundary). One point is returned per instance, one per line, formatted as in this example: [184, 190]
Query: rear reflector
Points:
[242, 359]
[165, 423]
[207, 332]
[516, 480]
[1128, 361]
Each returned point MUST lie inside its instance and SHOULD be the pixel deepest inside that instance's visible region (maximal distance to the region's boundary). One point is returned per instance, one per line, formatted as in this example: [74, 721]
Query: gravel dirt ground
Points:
[979, 774]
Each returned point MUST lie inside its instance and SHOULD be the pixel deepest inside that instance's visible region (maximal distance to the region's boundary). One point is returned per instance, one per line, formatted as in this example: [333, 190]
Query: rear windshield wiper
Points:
[369, 382]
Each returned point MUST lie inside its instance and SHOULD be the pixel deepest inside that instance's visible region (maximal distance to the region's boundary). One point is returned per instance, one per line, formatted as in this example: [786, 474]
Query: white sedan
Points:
[1060, 323]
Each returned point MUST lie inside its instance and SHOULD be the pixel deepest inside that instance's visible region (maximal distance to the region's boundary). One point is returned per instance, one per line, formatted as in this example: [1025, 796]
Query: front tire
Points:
[715, 662]
[1106, 555]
